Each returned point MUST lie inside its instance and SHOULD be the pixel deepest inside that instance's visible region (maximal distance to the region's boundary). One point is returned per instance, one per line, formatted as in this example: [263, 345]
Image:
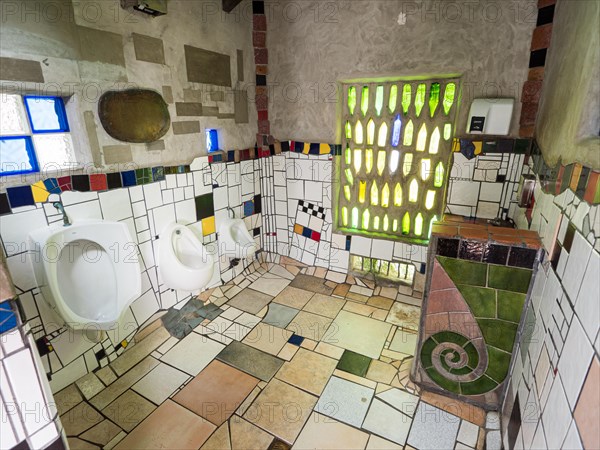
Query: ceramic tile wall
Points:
[201, 199]
[553, 393]
[29, 415]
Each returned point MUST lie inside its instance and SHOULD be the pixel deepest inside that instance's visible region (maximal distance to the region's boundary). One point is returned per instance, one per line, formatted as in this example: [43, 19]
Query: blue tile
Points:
[306, 232]
[128, 178]
[248, 208]
[20, 196]
[314, 148]
[52, 186]
[348, 242]
[8, 318]
[295, 339]
[158, 173]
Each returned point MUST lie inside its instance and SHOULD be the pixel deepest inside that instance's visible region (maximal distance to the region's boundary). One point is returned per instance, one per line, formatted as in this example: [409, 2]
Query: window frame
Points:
[443, 155]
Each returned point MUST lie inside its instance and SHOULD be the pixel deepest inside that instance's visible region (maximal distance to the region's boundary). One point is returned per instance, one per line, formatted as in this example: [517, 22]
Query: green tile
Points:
[482, 301]
[481, 385]
[510, 305]
[464, 272]
[472, 354]
[143, 176]
[450, 336]
[498, 364]
[354, 363]
[205, 206]
[443, 382]
[426, 351]
[509, 278]
[498, 333]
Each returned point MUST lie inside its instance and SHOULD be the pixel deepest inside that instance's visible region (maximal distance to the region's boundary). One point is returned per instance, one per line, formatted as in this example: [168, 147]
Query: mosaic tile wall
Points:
[200, 196]
[552, 397]
[476, 291]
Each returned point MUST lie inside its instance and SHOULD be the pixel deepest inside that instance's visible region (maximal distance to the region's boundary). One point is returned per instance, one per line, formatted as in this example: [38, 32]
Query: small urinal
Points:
[88, 271]
[235, 240]
[183, 262]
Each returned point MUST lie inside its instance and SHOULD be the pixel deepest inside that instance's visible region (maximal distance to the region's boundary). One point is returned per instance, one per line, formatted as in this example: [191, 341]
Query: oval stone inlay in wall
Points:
[134, 115]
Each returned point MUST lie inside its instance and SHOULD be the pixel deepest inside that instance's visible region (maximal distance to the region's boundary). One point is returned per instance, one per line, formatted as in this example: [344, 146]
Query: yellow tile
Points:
[456, 145]
[575, 176]
[478, 146]
[297, 228]
[40, 194]
[124, 343]
[306, 148]
[324, 149]
[208, 226]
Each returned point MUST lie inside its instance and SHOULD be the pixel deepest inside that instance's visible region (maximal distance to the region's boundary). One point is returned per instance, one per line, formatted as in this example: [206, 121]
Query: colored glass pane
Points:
[393, 98]
[348, 156]
[364, 100]
[447, 131]
[434, 143]
[419, 224]
[407, 166]
[344, 216]
[379, 100]
[348, 129]
[396, 130]
[365, 219]
[347, 193]
[380, 162]
[357, 160]
[425, 168]
[406, 98]
[398, 195]
[385, 196]
[349, 177]
[394, 161]
[406, 223]
[383, 133]
[413, 191]
[408, 134]
[376, 222]
[449, 96]
[386, 222]
[395, 225]
[362, 191]
[358, 132]
[351, 99]
[420, 99]
[429, 199]
[434, 98]
[422, 138]
[368, 160]
[370, 132]
[355, 217]
[433, 219]
[374, 194]
[438, 179]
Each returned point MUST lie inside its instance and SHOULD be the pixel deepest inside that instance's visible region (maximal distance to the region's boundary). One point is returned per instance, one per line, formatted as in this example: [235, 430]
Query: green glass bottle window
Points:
[407, 166]
[348, 129]
[449, 96]
[422, 138]
[386, 223]
[370, 132]
[355, 217]
[434, 98]
[398, 195]
[376, 223]
[447, 131]
[406, 98]
[408, 134]
[381, 162]
[358, 133]
[365, 219]
[385, 196]
[395, 225]
[357, 160]
[374, 194]
[368, 160]
[430, 200]
[364, 100]
[351, 99]
[406, 223]
[347, 193]
[349, 177]
[434, 143]
[438, 179]
[383, 134]
[348, 156]
[379, 100]
[431, 222]
[393, 98]
[362, 191]
[419, 224]
[413, 191]
[344, 216]
[420, 98]
[394, 161]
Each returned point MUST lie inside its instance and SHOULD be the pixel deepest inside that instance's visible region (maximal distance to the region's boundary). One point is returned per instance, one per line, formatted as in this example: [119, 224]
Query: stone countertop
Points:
[7, 290]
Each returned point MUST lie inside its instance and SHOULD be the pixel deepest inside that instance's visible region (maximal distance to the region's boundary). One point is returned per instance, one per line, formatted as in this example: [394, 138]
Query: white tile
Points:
[141, 223]
[178, 194]
[576, 265]
[468, 433]
[72, 197]
[345, 401]
[381, 249]
[21, 271]
[144, 307]
[163, 216]
[361, 246]
[491, 192]
[389, 423]
[556, 417]
[313, 191]
[587, 305]
[139, 209]
[203, 349]
[16, 228]
[84, 211]
[160, 383]
[185, 212]
[433, 428]
[295, 189]
[575, 360]
[369, 342]
[400, 400]
[572, 441]
[7, 437]
[115, 204]
[220, 197]
[323, 432]
[167, 196]
[153, 195]
[463, 192]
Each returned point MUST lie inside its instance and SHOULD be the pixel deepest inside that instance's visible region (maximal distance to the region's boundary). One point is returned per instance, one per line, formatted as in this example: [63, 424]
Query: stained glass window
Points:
[393, 171]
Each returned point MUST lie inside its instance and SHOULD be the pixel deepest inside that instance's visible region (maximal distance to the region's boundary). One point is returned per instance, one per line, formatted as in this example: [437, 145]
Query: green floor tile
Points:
[450, 336]
[480, 386]
[509, 278]
[443, 382]
[464, 272]
[498, 364]
[354, 363]
[498, 333]
[510, 305]
[472, 354]
[482, 301]
[426, 351]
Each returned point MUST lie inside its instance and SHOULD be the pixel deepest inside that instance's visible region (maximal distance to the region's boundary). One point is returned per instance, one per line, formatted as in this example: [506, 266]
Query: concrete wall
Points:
[87, 47]
[313, 45]
[569, 115]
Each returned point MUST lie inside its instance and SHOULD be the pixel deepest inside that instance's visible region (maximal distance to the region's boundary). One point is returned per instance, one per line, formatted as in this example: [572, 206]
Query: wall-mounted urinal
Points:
[88, 272]
[183, 262]
[234, 239]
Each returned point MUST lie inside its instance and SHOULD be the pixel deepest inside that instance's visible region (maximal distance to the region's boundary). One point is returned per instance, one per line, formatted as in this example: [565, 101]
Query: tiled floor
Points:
[285, 362]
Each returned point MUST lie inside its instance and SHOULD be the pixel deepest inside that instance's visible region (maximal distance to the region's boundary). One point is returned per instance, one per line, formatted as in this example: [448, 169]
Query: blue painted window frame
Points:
[59, 109]
[30, 153]
[212, 139]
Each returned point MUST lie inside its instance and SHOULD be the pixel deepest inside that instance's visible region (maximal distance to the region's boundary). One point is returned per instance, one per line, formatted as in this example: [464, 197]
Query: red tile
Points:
[528, 113]
[264, 127]
[263, 115]
[98, 182]
[587, 410]
[315, 236]
[536, 73]
[259, 39]
[260, 22]
[65, 183]
[449, 300]
[439, 278]
[531, 91]
[261, 56]
[541, 37]
[435, 323]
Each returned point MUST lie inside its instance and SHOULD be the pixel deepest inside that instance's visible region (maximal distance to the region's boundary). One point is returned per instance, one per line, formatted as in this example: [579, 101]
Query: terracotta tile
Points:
[541, 37]
[592, 191]
[463, 410]
[169, 426]
[219, 440]
[464, 323]
[474, 233]
[245, 436]
[439, 278]
[307, 370]
[446, 301]
[444, 230]
[587, 410]
[577, 168]
[435, 323]
[536, 73]
[216, 392]
[281, 409]
[128, 410]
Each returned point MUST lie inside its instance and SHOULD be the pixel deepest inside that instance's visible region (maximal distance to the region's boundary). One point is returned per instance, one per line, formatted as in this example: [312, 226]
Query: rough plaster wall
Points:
[60, 36]
[312, 45]
[569, 115]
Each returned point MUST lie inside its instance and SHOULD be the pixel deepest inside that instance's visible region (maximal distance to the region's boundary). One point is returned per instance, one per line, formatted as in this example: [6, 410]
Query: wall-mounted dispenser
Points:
[490, 116]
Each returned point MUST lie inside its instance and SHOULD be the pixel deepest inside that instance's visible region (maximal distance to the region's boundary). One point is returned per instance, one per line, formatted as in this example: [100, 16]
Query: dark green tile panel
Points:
[426, 352]
[479, 386]
[464, 272]
[205, 206]
[498, 364]
[510, 305]
[498, 333]
[472, 354]
[482, 301]
[354, 363]
[509, 278]
[450, 336]
[449, 385]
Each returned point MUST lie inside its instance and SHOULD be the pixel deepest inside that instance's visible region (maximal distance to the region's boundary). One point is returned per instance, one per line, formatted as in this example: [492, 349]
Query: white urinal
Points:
[183, 262]
[235, 240]
[88, 272]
